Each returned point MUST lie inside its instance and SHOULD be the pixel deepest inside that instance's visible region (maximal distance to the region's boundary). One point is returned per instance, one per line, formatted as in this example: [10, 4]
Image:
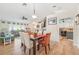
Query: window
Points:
[24, 24]
[9, 22]
[17, 23]
[21, 23]
[3, 21]
[14, 23]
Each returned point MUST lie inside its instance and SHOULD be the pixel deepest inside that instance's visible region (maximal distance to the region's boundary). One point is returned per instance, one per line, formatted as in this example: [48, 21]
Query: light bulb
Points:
[34, 16]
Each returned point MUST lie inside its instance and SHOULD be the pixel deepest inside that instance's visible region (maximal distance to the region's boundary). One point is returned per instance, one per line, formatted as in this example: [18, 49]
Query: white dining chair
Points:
[22, 38]
[26, 42]
[40, 32]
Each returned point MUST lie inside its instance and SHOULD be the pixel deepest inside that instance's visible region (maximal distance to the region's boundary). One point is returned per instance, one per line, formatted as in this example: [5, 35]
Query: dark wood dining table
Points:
[35, 40]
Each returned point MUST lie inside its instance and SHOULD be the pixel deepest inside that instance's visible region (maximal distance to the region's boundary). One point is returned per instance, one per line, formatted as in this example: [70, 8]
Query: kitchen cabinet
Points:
[66, 32]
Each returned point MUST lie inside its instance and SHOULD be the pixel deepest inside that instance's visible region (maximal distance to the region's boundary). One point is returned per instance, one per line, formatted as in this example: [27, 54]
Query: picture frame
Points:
[52, 21]
[66, 20]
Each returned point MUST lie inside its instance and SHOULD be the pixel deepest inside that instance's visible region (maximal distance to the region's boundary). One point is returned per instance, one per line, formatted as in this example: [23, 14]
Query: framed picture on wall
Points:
[66, 20]
[52, 21]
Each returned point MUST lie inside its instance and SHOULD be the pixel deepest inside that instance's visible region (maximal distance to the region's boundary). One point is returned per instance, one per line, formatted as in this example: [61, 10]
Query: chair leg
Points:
[38, 46]
[24, 49]
[45, 49]
[21, 44]
[29, 51]
[49, 46]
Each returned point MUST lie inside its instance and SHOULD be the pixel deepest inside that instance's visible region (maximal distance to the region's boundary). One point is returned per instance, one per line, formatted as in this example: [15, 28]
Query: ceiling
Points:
[15, 11]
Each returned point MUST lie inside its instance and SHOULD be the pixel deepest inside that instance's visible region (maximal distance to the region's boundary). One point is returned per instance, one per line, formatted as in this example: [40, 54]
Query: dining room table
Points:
[35, 40]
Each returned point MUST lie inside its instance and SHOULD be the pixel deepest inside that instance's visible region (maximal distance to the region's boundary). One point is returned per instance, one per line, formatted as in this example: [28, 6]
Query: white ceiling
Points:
[17, 10]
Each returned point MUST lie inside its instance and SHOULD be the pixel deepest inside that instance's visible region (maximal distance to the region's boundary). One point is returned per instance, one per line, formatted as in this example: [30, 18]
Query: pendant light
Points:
[34, 12]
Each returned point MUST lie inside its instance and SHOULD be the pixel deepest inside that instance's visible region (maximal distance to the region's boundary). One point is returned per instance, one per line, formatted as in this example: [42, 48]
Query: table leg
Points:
[4, 41]
[38, 46]
[10, 40]
[34, 47]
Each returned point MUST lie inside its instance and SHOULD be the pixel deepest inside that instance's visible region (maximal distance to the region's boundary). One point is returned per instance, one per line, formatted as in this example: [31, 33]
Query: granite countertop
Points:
[67, 29]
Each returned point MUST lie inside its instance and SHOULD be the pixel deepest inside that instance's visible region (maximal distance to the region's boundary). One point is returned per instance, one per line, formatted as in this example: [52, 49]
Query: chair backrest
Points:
[26, 39]
[21, 34]
[47, 38]
[32, 35]
[40, 32]
[26, 36]
[48, 35]
[21, 37]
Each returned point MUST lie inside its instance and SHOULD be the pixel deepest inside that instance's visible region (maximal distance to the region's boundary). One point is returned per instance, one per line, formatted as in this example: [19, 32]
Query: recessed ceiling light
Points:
[24, 4]
[34, 16]
[54, 6]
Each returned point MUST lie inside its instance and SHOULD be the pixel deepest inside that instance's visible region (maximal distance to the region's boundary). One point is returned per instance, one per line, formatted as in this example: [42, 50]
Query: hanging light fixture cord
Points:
[34, 9]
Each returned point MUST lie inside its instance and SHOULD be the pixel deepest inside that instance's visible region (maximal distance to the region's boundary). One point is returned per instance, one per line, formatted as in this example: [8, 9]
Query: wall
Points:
[76, 33]
[3, 27]
[6, 27]
[54, 29]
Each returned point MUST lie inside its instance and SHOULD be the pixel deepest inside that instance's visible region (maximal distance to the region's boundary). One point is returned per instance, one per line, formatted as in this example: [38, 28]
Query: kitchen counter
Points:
[66, 32]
